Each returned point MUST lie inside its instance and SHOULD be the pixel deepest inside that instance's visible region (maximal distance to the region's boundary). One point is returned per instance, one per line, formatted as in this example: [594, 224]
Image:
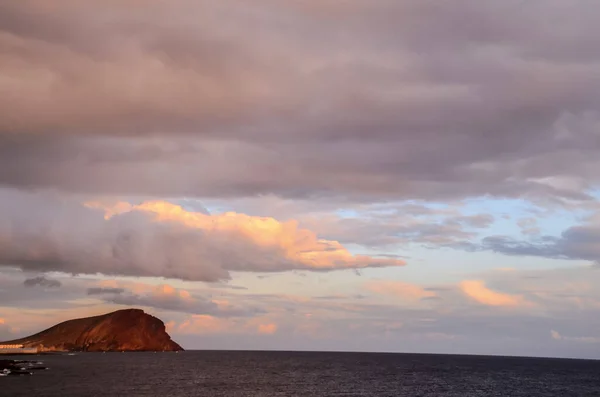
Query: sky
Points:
[386, 175]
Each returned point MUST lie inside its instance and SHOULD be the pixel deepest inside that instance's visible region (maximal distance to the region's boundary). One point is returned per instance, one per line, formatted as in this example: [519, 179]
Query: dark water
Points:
[212, 373]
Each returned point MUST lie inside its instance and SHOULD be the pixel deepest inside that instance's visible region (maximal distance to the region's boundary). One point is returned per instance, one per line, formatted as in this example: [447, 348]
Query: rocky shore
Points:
[20, 367]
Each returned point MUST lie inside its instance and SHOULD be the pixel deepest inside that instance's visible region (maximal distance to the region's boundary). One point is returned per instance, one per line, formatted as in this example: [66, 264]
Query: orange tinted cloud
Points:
[159, 239]
[202, 324]
[476, 290]
[267, 329]
[170, 326]
[167, 291]
[163, 296]
[287, 239]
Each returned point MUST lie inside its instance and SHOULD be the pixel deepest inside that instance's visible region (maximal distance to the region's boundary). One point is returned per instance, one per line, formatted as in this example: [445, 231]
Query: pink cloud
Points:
[162, 296]
[293, 243]
[43, 233]
[477, 290]
[267, 328]
[170, 326]
[204, 324]
[208, 324]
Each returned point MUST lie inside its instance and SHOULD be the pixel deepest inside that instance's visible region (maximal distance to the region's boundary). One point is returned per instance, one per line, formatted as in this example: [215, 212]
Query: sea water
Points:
[220, 373]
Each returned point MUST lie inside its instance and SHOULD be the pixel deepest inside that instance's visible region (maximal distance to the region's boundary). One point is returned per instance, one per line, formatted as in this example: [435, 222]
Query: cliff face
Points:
[123, 330]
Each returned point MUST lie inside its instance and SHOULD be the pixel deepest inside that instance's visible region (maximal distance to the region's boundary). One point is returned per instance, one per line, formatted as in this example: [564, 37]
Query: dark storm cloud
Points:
[377, 100]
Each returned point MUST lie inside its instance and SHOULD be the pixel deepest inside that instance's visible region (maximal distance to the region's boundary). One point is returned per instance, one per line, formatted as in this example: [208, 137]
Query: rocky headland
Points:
[123, 330]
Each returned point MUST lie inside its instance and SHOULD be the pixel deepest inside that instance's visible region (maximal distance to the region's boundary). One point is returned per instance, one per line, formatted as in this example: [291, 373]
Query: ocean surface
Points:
[219, 373]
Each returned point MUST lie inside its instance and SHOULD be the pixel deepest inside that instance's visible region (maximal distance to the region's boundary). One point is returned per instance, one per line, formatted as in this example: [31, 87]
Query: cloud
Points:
[585, 339]
[228, 286]
[404, 291]
[200, 324]
[389, 225]
[418, 104]
[558, 299]
[210, 325]
[168, 298]
[7, 332]
[529, 226]
[163, 297]
[476, 290]
[102, 291]
[42, 281]
[267, 329]
[579, 242]
[38, 295]
[169, 326]
[156, 238]
[455, 325]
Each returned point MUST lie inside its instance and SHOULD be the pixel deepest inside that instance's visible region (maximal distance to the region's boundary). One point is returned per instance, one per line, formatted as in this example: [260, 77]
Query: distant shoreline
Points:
[63, 352]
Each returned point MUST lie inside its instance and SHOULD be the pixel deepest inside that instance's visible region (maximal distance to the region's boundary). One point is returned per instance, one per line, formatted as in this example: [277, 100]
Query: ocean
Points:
[262, 374]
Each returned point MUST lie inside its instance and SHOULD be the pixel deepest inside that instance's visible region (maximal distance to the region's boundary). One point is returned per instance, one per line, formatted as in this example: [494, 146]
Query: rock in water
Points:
[19, 367]
[123, 330]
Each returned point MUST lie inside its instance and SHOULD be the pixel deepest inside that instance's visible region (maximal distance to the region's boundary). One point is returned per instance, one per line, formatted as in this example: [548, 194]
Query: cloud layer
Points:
[402, 100]
[498, 312]
[43, 233]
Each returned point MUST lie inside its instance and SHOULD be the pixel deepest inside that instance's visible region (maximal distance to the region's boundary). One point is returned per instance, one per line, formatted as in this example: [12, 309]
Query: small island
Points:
[128, 330]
